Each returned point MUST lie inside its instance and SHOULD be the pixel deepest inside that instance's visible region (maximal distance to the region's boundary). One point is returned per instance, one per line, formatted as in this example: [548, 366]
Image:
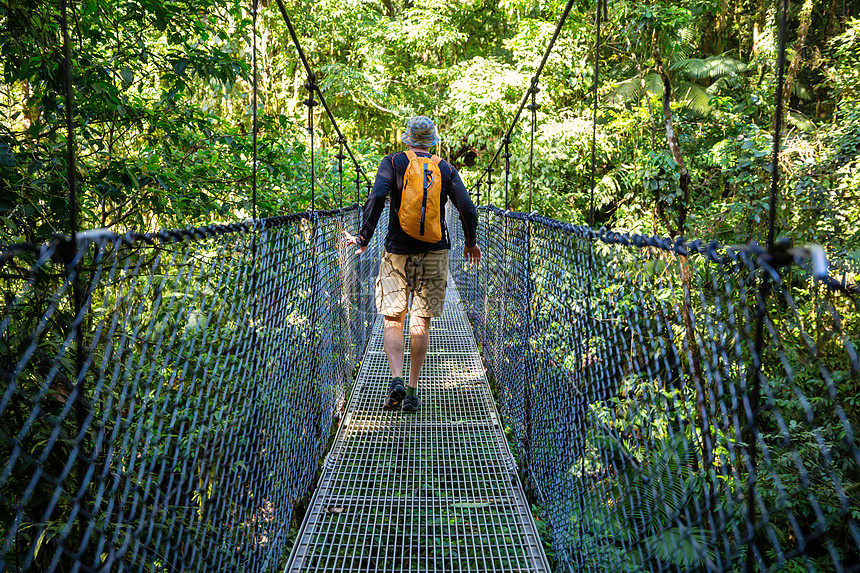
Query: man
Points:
[413, 266]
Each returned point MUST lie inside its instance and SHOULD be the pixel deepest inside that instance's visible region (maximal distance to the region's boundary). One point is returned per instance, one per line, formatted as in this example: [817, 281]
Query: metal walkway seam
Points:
[436, 490]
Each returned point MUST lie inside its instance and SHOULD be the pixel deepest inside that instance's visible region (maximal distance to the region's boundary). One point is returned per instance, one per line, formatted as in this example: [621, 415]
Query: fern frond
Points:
[717, 87]
[654, 84]
[626, 91]
[712, 67]
[683, 547]
[800, 90]
[695, 98]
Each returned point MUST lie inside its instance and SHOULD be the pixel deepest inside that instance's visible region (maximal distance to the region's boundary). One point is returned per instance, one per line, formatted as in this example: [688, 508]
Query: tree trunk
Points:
[674, 146]
[31, 112]
[650, 110]
[832, 27]
[722, 25]
[682, 207]
[802, 31]
[758, 25]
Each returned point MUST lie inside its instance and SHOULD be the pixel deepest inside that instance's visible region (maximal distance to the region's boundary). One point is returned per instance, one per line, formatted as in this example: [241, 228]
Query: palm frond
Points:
[684, 547]
[626, 91]
[712, 67]
[800, 90]
[685, 47]
[800, 121]
[717, 87]
[694, 97]
[654, 84]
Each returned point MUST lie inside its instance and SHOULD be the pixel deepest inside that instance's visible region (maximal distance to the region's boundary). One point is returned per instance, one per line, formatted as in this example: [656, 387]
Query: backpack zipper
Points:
[428, 180]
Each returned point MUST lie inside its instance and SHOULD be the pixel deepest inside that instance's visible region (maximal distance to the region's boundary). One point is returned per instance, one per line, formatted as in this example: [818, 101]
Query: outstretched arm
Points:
[373, 206]
[468, 216]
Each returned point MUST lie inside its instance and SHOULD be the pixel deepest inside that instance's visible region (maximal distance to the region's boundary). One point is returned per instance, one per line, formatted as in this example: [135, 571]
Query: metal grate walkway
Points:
[432, 491]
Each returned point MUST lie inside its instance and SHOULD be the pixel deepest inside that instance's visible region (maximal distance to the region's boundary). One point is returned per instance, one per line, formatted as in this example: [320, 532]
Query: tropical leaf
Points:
[800, 121]
[798, 89]
[626, 91]
[654, 84]
[713, 67]
[684, 547]
[685, 47]
[694, 97]
[718, 86]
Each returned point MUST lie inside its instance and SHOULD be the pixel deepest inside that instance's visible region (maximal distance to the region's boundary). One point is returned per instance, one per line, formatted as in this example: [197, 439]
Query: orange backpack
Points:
[419, 212]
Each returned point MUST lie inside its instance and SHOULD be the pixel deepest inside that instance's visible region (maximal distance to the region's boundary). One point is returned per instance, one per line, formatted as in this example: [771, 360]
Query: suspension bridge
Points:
[169, 398]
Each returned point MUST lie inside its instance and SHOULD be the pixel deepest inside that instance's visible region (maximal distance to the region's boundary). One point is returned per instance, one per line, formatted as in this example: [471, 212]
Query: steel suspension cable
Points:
[506, 142]
[340, 157]
[590, 283]
[254, 127]
[357, 184]
[777, 125]
[534, 81]
[79, 387]
[594, 115]
[311, 74]
[311, 86]
[533, 107]
[764, 292]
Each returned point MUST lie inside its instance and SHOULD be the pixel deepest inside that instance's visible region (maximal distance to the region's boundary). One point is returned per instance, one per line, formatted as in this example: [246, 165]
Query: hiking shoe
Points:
[396, 392]
[411, 404]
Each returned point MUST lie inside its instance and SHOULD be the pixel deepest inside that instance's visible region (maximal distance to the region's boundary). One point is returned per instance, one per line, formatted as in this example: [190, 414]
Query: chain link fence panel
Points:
[675, 406]
[168, 397]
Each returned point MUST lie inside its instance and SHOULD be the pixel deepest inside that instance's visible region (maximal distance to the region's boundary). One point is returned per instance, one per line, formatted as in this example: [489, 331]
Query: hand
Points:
[472, 254]
[353, 240]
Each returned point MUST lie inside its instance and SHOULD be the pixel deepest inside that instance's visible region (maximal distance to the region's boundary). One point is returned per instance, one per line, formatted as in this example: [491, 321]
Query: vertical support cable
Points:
[533, 107]
[763, 294]
[73, 265]
[340, 158]
[594, 117]
[254, 322]
[528, 357]
[489, 171]
[254, 127]
[506, 142]
[590, 288]
[312, 87]
[357, 185]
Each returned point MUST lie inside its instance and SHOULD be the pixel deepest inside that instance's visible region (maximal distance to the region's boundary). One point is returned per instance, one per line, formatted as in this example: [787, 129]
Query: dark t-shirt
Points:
[389, 183]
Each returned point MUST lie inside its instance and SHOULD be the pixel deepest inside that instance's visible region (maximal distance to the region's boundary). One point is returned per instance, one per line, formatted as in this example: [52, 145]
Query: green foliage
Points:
[164, 139]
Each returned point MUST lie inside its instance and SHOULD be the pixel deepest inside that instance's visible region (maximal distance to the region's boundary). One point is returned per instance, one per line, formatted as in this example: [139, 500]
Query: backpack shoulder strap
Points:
[410, 155]
[435, 159]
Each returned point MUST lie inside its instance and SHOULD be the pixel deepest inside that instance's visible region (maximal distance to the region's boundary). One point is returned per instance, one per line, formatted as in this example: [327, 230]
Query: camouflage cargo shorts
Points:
[424, 276]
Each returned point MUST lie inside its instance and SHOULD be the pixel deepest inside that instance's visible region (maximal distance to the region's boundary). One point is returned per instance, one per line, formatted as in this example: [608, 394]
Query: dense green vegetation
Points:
[163, 109]
[164, 139]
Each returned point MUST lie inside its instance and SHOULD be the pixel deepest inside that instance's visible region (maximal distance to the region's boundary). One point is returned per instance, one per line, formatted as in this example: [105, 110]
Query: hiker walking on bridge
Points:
[415, 260]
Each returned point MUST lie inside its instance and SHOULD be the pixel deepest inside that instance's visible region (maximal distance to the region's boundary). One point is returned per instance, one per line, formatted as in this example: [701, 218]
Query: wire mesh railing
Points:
[172, 423]
[674, 406]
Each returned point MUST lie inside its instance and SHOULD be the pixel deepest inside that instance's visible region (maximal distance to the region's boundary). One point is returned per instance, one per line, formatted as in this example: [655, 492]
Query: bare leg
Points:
[392, 342]
[419, 337]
